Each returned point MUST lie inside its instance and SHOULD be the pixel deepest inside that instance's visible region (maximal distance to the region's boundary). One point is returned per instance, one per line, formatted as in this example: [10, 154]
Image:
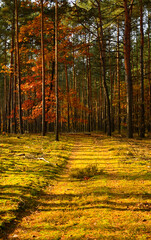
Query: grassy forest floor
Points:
[82, 187]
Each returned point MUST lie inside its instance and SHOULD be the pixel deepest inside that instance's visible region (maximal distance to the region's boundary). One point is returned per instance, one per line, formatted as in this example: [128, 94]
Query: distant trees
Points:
[78, 70]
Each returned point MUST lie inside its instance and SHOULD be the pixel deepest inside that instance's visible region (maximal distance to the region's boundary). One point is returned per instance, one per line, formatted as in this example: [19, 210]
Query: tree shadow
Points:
[26, 198]
[26, 205]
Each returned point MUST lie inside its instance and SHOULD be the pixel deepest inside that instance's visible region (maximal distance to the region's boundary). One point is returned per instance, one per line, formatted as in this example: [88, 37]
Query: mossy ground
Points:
[28, 164]
[112, 203]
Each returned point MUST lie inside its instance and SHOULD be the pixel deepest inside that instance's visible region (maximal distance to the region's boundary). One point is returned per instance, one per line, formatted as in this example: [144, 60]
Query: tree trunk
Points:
[118, 81]
[43, 71]
[5, 95]
[18, 69]
[142, 129]
[149, 75]
[127, 61]
[88, 89]
[56, 69]
[111, 89]
[68, 99]
[10, 99]
[75, 89]
[14, 93]
[103, 64]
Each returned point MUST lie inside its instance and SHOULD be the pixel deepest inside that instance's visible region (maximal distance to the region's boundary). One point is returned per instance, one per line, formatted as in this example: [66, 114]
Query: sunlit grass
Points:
[113, 203]
[28, 163]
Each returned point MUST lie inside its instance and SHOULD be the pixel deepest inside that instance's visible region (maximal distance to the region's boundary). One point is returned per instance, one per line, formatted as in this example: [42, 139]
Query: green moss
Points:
[104, 194]
[28, 164]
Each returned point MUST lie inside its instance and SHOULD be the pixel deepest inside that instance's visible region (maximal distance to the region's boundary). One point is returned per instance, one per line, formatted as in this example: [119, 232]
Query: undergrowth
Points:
[86, 173]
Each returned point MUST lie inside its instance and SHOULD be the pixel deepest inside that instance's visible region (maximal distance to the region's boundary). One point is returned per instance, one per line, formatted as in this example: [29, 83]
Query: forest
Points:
[75, 66]
[75, 119]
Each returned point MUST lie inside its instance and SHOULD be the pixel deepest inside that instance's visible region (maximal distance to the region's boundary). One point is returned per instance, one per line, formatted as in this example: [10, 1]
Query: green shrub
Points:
[86, 173]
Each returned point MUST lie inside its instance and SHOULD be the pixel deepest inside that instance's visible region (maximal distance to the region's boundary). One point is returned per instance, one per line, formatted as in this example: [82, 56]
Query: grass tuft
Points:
[86, 173]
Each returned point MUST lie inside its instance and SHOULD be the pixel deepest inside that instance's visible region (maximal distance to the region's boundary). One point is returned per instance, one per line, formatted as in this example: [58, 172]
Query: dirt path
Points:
[53, 205]
[108, 206]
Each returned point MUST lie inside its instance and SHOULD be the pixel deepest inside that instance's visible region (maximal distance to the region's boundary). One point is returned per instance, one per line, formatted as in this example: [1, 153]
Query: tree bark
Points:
[127, 61]
[118, 81]
[68, 99]
[103, 64]
[111, 89]
[5, 95]
[56, 70]
[14, 93]
[149, 74]
[75, 89]
[88, 89]
[43, 71]
[142, 129]
[10, 98]
[18, 69]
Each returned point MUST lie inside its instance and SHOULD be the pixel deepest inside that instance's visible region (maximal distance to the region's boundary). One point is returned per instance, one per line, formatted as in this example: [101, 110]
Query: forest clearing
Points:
[85, 186]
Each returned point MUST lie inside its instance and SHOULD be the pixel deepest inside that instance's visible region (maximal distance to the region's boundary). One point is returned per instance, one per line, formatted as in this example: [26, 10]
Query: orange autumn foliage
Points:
[29, 39]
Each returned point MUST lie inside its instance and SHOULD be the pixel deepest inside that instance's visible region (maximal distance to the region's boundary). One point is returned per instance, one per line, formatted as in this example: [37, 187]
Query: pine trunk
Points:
[68, 99]
[118, 81]
[103, 64]
[142, 129]
[127, 61]
[43, 71]
[18, 69]
[56, 69]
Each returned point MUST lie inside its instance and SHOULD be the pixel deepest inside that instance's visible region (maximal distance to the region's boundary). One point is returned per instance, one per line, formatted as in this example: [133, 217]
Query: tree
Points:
[43, 71]
[118, 79]
[56, 70]
[103, 63]
[142, 127]
[18, 67]
[127, 61]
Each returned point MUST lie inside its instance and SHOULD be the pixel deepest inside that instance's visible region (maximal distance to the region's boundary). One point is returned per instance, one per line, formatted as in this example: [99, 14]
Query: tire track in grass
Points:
[53, 214]
[111, 205]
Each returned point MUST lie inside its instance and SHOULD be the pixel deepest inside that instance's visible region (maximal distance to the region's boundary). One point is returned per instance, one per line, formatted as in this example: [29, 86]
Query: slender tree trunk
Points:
[88, 89]
[103, 64]
[10, 100]
[149, 74]
[5, 95]
[43, 71]
[68, 99]
[18, 69]
[0, 111]
[111, 91]
[83, 101]
[53, 63]
[137, 94]
[142, 130]
[100, 125]
[56, 69]
[127, 61]
[14, 93]
[118, 81]
[75, 89]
